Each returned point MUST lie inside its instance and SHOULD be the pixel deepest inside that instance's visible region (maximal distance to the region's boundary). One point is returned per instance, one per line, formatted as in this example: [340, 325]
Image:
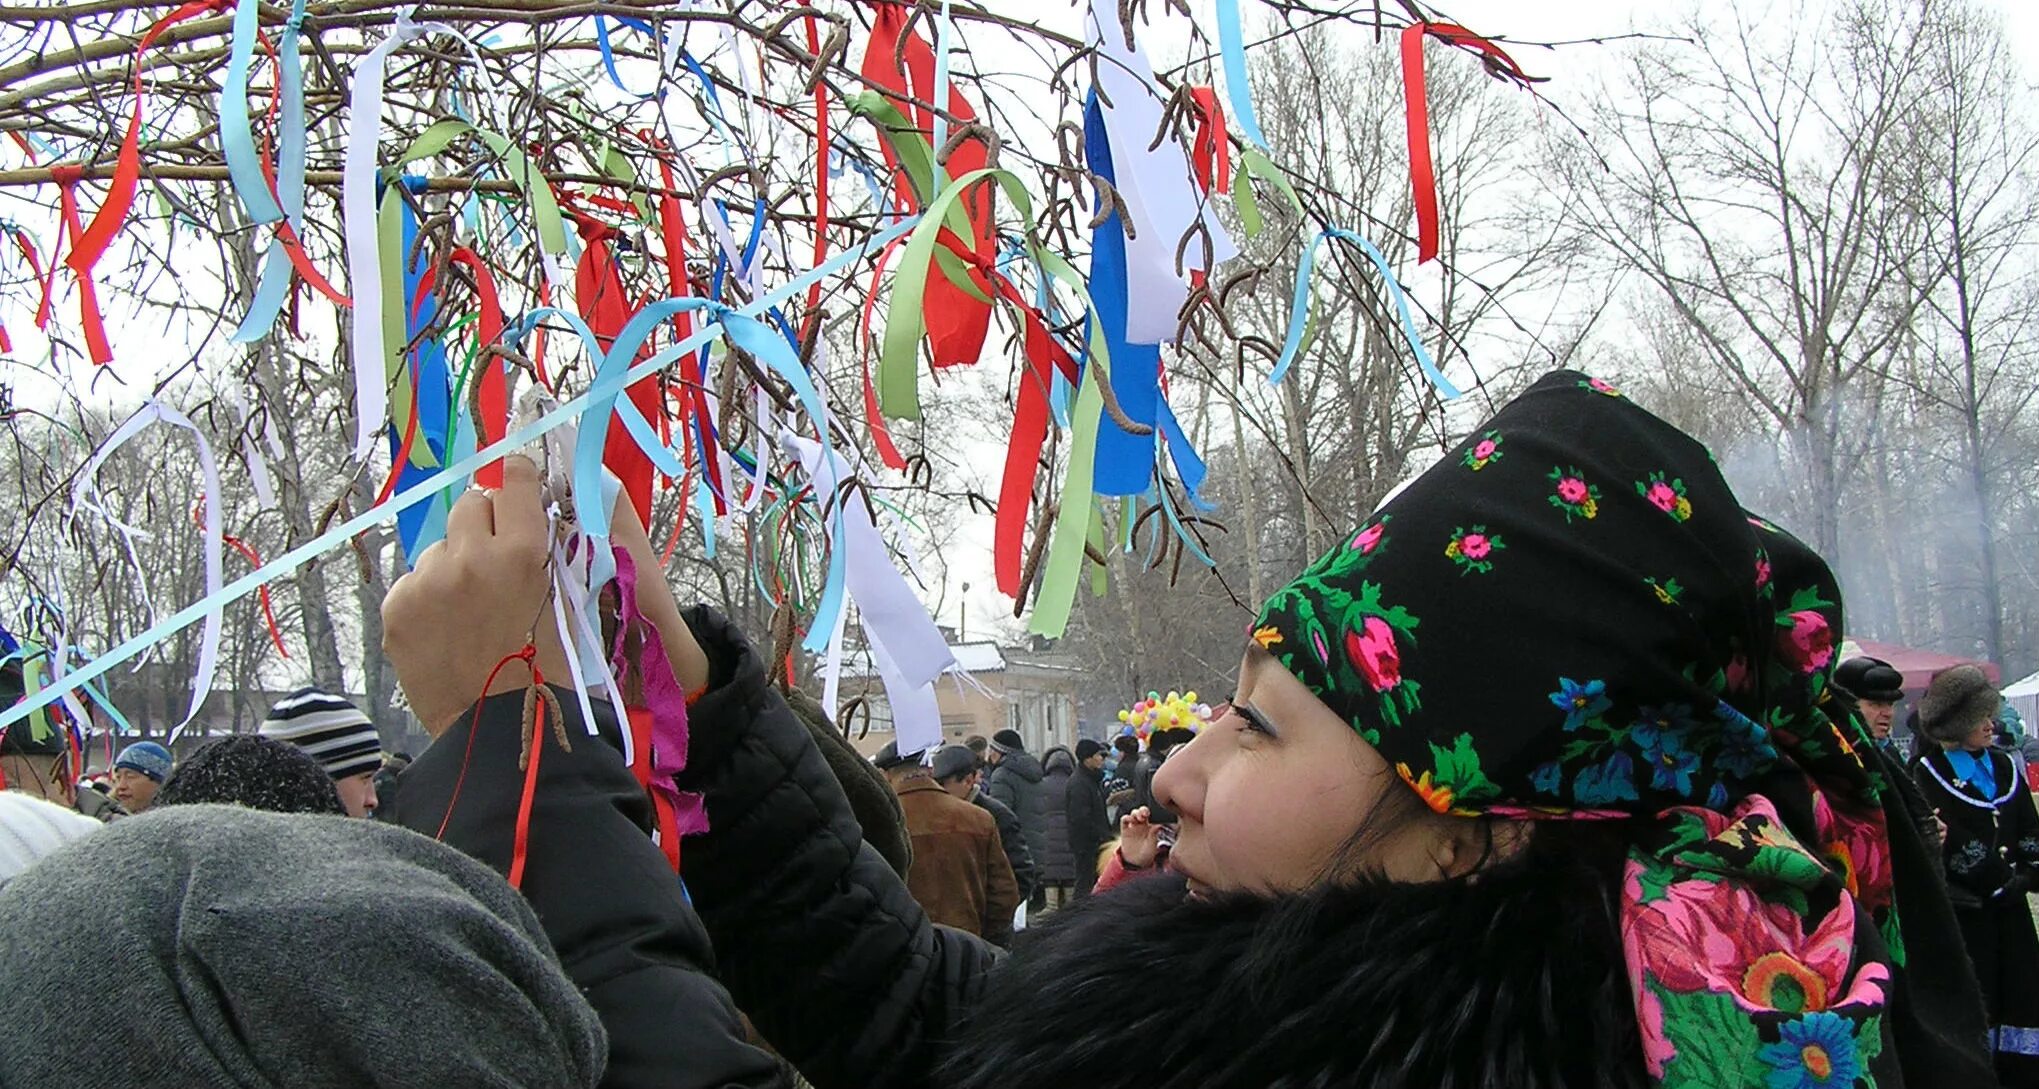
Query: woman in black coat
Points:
[1992, 858]
[1364, 889]
[1530, 782]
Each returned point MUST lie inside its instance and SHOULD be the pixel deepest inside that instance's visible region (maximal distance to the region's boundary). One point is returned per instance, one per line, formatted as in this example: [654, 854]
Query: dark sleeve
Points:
[1013, 838]
[1001, 893]
[816, 936]
[609, 901]
[2024, 820]
[1001, 787]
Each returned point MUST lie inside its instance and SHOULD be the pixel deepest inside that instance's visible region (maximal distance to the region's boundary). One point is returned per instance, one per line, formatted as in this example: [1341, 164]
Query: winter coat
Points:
[607, 896]
[1992, 862]
[1058, 866]
[1026, 872]
[1089, 826]
[1143, 788]
[1243, 992]
[1020, 782]
[959, 875]
[1083, 800]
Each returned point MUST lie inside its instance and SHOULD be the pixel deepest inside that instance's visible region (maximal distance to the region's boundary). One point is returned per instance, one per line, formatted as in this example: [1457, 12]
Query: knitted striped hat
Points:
[333, 731]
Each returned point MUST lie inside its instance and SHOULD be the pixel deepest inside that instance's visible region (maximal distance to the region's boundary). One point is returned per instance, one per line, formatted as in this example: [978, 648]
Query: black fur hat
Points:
[1867, 678]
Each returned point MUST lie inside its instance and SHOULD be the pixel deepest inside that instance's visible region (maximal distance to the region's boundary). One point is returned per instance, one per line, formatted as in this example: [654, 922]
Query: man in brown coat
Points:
[959, 874]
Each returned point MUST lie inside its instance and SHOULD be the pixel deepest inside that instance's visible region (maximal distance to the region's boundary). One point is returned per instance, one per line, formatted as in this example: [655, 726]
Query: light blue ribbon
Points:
[239, 147]
[1299, 309]
[407, 497]
[1232, 43]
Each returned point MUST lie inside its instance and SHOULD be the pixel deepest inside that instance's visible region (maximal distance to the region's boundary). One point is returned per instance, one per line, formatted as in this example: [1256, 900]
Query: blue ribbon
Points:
[424, 490]
[1299, 308]
[418, 527]
[1232, 43]
[609, 54]
[1125, 461]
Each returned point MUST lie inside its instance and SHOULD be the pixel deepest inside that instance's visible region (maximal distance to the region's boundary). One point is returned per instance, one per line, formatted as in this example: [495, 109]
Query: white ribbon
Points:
[1161, 200]
[906, 646]
[357, 205]
[208, 646]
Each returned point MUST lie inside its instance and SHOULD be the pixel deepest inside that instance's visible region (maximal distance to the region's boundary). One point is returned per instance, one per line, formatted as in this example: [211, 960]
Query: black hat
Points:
[1008, 741]
[1958, 699]
[1086, 748]
[954, 761]
[1871, 679]
[256, 772]
[19, 739]
[891, 757]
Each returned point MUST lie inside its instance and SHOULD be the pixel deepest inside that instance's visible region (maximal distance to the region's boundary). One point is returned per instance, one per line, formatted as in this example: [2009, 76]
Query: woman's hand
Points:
[472, 600]
[1139, 840]
[655, 600]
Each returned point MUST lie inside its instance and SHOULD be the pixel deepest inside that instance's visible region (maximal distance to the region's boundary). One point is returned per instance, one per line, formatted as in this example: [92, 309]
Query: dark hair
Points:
[1602, 844]
[1127, 745]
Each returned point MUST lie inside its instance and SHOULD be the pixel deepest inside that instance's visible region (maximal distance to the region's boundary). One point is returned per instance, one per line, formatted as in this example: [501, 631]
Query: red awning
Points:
[1918, 666]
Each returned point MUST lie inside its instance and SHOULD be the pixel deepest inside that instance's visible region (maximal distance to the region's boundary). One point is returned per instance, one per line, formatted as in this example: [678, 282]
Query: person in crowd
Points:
[979, 746]
[389, 776]
[138, 773]
[580, 849]
[1991, 855]
[1366, 886]
[233, 947]
[336, 734]
[1159, 744]
[1118, 787]
[1058, 866]
[1017, 779]
[31, 827]
[40, 763]
[961, 773]
[1088, 824]
[960, 876]
[871, 797]
[253, 771]
[1876, 687]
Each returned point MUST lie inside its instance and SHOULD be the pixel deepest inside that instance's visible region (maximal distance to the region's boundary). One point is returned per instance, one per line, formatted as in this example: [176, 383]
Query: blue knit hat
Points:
[147, 757]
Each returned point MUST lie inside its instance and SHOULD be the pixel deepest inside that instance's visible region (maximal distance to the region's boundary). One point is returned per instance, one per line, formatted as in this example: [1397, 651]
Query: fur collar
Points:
[1515, 980]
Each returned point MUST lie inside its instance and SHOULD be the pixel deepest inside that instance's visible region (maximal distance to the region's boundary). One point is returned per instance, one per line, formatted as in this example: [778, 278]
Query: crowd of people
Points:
[1544, 776]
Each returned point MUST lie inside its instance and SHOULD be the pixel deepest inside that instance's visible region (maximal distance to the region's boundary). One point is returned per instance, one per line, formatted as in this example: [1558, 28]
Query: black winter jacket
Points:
[1020, 782]
[605, 894]
[1026, 870]
[1058, 866]
[1379, 985]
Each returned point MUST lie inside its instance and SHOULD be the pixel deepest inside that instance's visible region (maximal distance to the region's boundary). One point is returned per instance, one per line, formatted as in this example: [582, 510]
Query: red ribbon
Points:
[957, 321]
[1423, 173]
[820, 165]
[67, 178]
[1210, 150]
[605, 306]
[874, 420]
[1023, 452]
[494, 395]
[254, 560]
[89, 245]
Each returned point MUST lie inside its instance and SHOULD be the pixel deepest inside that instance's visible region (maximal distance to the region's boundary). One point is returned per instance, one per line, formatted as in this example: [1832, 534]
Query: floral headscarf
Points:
[1573, 618]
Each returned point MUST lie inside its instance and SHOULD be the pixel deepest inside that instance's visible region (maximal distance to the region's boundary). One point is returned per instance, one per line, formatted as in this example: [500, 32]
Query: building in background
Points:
[1033, 691]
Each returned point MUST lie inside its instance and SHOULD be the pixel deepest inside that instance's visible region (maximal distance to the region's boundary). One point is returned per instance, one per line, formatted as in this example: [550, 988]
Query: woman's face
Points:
[1980, 737]
[1269, 794]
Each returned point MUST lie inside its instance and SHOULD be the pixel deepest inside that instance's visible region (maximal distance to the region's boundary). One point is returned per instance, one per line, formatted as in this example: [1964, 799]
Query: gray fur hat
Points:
[227, 946]
[1958, 699]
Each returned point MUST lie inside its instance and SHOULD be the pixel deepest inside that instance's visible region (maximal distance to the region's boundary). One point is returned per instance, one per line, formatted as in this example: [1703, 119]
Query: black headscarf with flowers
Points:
[1571, 617]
